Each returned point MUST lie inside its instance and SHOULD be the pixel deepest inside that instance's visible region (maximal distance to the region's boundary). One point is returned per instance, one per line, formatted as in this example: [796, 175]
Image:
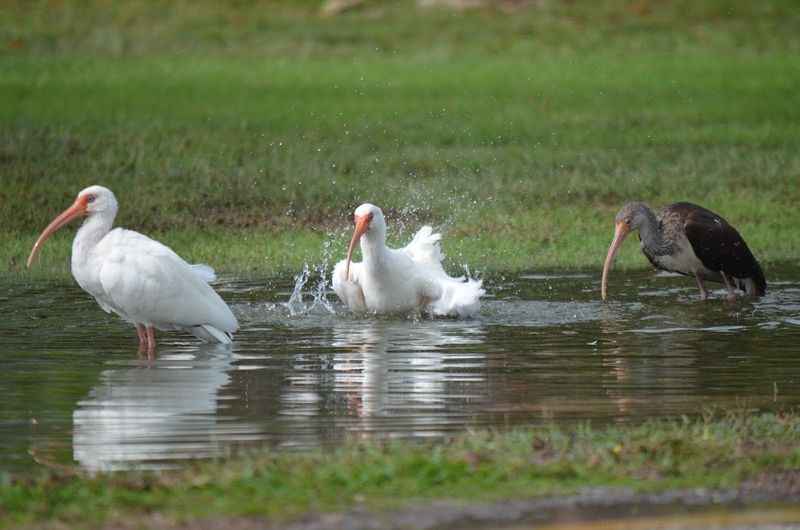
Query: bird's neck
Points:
[651, 234]
[89, 235]
[373, 250]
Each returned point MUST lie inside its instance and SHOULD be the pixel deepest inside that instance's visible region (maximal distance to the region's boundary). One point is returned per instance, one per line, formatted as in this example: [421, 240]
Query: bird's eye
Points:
[90, 198]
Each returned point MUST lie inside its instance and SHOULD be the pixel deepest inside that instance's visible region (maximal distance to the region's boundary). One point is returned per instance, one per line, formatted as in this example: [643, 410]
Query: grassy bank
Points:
[710, 452]
[245, 134]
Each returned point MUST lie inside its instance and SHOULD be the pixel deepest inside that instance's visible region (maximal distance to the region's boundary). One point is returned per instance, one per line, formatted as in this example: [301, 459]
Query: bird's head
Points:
[633, 215]
[369, 222]
[630, 218]
[94, 200]
[98, 199]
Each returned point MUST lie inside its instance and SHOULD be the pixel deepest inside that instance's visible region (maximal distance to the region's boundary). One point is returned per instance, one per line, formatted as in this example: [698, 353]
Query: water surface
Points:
[310, 374]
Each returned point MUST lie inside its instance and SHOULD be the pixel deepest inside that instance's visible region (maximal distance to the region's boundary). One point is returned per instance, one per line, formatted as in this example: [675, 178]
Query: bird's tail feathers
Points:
[755, 285]
[209, 333]
[760, 282]
[204, 272]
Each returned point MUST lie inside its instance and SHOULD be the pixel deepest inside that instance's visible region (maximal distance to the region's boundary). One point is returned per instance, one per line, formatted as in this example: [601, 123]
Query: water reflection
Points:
[387, 377]
[152, 412]
[393, 369]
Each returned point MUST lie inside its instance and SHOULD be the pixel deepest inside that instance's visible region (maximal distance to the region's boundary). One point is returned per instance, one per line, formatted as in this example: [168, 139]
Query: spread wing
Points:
[424, 248]
[149, 283]
[449, 296]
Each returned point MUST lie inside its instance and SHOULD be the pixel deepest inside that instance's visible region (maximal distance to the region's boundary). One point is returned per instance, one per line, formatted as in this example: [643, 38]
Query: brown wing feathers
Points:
[719, 245]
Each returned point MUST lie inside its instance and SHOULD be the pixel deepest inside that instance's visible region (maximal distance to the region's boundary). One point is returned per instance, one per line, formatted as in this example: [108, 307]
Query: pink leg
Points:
[142, 337]
[151, 341]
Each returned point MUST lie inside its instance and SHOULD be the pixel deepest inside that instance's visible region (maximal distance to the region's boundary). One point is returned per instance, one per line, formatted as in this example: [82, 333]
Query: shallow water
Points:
[544, 348]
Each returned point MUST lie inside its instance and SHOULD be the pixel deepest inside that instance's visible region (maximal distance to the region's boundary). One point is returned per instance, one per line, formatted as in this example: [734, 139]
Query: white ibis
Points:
[139, 279]
[690, 240]
[401, 280]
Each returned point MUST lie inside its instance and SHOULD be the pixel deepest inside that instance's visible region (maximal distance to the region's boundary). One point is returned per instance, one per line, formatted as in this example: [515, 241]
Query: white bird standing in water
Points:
[401, 280]
[141, 280]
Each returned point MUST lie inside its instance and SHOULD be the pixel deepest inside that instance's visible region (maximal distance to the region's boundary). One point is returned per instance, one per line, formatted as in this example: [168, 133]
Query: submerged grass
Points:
[714, 451]
[244, 133]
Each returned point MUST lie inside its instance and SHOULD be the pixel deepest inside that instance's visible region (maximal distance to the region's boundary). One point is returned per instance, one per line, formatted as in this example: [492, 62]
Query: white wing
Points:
[349, 289]
[424, 249]
[450, 296]
[151, 284]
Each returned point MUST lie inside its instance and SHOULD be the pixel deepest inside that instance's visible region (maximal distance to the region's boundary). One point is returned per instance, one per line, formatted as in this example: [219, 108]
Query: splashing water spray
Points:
[296, 303]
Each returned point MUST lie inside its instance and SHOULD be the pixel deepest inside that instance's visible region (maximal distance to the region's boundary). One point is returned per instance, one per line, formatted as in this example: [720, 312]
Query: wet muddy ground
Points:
[768, 502]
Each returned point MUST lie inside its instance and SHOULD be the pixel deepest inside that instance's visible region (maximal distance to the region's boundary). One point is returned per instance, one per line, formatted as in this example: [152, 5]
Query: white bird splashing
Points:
[400, 280]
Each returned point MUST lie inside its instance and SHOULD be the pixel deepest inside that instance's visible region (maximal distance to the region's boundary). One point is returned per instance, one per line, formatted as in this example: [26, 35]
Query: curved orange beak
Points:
[78, 209]
[620, 233]
[362, 225]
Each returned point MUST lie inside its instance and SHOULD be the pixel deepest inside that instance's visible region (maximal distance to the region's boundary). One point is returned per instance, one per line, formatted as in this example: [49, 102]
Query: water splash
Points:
[296, 304]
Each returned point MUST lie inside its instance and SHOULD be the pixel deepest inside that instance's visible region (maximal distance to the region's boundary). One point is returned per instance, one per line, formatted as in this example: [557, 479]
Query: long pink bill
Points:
[78, 209]
[362, 225]
[620, 233]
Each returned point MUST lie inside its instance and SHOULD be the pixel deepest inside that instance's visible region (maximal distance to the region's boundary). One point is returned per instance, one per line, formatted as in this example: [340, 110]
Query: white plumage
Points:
[138, 278]
[401, 280]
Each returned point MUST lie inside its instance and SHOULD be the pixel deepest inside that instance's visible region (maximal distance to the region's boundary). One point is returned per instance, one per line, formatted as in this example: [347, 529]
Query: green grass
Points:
[715, 451]
[245, 133]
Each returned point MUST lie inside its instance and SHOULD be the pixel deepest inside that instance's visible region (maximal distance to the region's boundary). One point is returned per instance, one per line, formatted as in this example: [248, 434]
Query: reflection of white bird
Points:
[138, 278]
[142, 417]
[399, 280]
[390, 368]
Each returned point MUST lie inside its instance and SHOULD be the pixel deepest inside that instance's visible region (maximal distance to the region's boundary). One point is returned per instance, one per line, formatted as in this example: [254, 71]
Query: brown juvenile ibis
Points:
[690, 240]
